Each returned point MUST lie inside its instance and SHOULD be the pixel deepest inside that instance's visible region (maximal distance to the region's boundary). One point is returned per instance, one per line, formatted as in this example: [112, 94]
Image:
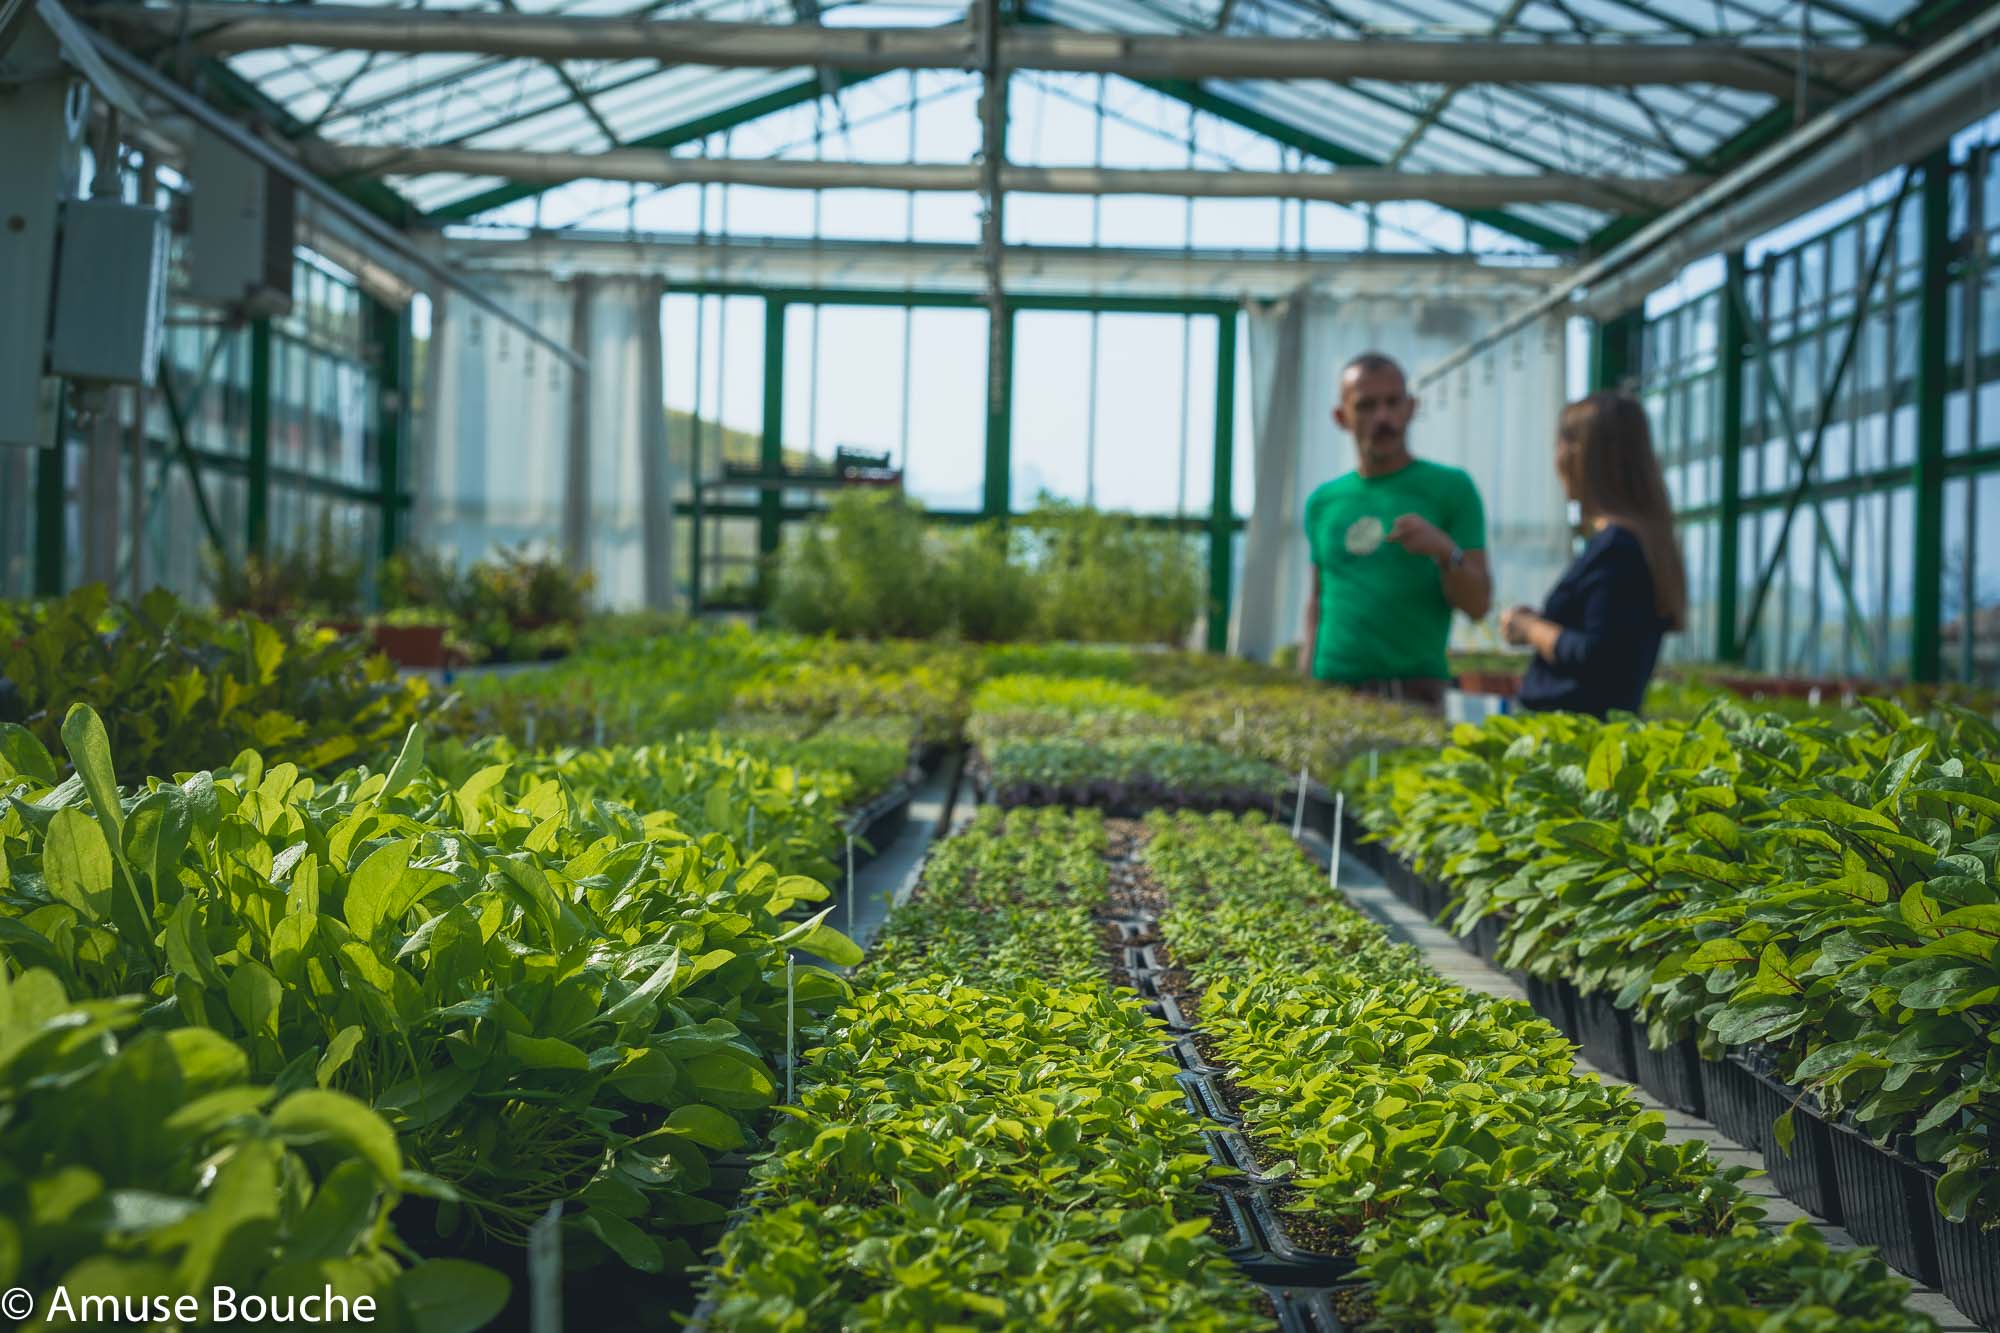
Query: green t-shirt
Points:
[1382, 610]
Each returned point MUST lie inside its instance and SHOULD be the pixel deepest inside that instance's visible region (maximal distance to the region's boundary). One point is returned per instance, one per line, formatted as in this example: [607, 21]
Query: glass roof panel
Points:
[388, 99]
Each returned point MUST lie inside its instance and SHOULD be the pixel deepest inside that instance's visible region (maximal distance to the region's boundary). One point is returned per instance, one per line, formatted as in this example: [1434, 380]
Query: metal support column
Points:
[257, 503]
[1222, 510]
[771, 461]
[1728, 550]
[576, 480]
[393, 339]
[1615, 350]
[656, 482]
[51, 487]
[1931, 388]
[1000, 424]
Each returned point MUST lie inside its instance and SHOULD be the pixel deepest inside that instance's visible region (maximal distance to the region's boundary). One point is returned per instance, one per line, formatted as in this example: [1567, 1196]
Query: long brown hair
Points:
[1605, 453]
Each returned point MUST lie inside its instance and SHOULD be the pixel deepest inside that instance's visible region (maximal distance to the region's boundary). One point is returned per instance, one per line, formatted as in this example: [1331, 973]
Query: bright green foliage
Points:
[978, 1159]
[792, 814]
[875, 567]
[145, 1164]
[1110, 578]
[1484, 1183]
[857, 684]
[976, 1146]
[180, 688]
[1008, 899]
[549, 997]
[1316, 726]
[1128, 769]
[1825, 888]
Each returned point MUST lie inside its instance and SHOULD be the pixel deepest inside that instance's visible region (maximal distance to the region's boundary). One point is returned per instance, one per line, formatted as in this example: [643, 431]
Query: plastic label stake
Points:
[1333, 865]
[791, 992]
[597, 729]
[851, 886]
[1299, 809]
[545, 1271]
[750, 833]
[1374, 759]
[529, 732]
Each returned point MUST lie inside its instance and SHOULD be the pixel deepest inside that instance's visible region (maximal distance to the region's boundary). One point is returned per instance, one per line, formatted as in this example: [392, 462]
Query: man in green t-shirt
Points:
[1397, 545]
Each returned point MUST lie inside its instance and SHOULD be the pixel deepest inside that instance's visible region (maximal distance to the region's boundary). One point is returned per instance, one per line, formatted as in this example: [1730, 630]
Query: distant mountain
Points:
[737, 446]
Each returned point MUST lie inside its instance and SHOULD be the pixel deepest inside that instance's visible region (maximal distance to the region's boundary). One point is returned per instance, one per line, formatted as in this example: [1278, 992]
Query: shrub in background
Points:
[874, 567]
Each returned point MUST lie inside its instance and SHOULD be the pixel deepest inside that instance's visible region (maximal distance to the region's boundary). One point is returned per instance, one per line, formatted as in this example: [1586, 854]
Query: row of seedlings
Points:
[1443, 1140]
[1788, 926]
[527, 1013]
[987, 1135]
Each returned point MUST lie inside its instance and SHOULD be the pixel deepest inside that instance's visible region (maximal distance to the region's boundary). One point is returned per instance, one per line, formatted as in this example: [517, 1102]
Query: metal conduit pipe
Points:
[206, 116]
[1912, 110]
[1349, 185]
[1860, 152]
[231, 27]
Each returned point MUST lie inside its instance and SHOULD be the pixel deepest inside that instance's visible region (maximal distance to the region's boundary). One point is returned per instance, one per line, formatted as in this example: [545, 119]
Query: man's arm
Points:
[1468, 586]
[1310, 649]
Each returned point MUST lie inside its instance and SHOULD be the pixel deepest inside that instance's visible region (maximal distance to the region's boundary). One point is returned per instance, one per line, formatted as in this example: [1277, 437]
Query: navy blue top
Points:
[1611, 632]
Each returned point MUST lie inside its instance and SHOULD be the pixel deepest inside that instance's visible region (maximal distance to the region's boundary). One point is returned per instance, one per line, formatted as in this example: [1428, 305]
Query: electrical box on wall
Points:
[41, 125]
[110, 293]
[241, 221]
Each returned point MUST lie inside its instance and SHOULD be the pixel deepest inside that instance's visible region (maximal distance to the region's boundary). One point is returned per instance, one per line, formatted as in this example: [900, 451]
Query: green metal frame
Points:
[1730, 357]
[394, 339]
[1923, 477]
[1932, 385]
[257, 507]
[51, 491]
[771, 513]
[1222, 507]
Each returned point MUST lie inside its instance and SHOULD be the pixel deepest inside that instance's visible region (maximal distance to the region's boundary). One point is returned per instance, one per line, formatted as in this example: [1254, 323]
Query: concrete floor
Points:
[1441, 950]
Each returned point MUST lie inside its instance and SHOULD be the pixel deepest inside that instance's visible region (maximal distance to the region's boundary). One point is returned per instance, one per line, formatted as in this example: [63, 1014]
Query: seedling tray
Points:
[1886, 1202]
[1309, 1309]
[1968, 1267]
[1604, 1031]
[1730, 1095]
[1673, 1075]
[1553, 1000]
[1805, 1173]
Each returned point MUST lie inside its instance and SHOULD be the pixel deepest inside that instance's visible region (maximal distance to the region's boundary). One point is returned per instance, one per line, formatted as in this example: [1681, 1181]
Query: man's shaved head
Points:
[1369, 363]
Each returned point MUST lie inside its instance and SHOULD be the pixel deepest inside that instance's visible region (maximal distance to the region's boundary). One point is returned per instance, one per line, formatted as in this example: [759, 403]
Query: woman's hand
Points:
[1517, 623]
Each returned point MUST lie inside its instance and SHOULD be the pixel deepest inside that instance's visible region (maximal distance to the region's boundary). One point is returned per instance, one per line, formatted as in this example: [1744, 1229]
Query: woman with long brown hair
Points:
[1597, 639]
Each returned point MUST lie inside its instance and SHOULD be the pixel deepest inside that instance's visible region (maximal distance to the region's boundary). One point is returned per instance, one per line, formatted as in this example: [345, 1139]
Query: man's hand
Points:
[1420, 536]
[1515, 622]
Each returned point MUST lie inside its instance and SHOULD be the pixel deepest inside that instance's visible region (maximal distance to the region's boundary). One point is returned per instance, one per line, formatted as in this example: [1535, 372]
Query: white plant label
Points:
[1339, 813]
[1299, 809]
[1365, 535]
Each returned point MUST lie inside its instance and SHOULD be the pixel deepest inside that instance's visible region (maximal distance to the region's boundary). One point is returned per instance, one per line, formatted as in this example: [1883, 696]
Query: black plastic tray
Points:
[1553, 1000]
[1604, 1031]
[1969, 1268]
[1885, 1201]
[1804, 1174]
[1672, 1075]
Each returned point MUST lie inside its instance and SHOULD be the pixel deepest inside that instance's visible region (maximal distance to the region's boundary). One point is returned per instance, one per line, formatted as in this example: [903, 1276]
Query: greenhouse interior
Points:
[1030, 664]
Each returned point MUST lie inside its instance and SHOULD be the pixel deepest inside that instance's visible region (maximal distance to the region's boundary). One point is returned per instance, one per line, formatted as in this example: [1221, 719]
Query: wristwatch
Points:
[1456, 558]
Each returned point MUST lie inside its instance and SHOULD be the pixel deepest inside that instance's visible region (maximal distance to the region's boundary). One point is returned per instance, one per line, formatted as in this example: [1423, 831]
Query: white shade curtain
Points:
[503, 462]
[1495, 417]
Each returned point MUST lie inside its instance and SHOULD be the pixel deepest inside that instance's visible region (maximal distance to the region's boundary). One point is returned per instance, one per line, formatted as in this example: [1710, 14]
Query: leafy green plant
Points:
[1446, 1137]
[553, 1000]
[988, 1136]
[144, 1165]
[182, 690]
[1822, 889]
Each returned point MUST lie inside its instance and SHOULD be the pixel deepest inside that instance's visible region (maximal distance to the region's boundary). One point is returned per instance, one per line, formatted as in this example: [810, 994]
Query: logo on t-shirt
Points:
[1364, 535]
